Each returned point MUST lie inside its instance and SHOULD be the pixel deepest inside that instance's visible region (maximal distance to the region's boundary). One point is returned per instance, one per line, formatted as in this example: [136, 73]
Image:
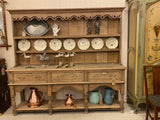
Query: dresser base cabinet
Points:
[82, 79]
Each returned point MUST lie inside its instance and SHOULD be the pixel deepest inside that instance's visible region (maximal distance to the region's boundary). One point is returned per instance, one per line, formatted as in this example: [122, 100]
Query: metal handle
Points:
[104, 73]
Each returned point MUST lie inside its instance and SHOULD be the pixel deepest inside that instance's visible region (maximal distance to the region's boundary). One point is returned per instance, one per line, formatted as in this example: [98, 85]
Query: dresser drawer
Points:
[67, 76]
[105, 76]
[31, 77]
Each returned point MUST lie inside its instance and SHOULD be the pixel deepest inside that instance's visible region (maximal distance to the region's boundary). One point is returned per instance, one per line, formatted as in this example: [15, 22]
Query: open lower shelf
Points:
[60, 105]
[79, 104]
[23, 106]
[115, 105]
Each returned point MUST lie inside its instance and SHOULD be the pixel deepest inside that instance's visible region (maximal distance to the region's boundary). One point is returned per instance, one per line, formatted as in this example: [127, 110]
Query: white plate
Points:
[40, 45]
[69, 44]
[83, 44]
[97, 43]
[24, 45]
[112, 43]
[55, 44]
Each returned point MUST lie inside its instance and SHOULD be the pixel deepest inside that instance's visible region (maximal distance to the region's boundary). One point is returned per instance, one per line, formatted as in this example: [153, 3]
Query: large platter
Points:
[55, 44]
[36, 28]
[83, 44]
[69, 44]
[40, 45]
[112, 43]
[97, 43]
[24, 45]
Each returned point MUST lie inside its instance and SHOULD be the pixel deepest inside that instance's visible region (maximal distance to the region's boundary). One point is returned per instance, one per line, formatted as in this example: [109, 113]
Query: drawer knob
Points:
[104, 73]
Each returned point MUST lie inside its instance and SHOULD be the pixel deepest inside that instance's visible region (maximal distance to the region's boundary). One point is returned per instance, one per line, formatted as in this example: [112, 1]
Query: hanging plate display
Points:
[36, 28]
[69, 44]
[40, 45]
[55, 44]
[112, 43]
[24, 45]
[83, 44]
[97, 43]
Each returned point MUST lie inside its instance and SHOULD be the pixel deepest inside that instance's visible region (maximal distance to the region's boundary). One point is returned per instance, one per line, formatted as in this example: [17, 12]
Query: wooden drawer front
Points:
[67, 76]
[30, 77]
[111, 76]
[67, 88]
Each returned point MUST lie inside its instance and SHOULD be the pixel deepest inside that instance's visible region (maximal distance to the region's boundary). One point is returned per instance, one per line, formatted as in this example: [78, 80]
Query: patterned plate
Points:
[69, 44]
[24, 45]
[83, 44]
[55, 44]
[112, 43]
[97, 43]
[40, 45]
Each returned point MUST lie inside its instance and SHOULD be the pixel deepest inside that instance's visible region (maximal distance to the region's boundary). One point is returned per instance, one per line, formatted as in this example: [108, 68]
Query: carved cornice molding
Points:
[66, 14]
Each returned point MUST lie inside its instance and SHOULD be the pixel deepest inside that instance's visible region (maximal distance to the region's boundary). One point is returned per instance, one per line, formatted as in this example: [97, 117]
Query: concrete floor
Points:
[92, 115]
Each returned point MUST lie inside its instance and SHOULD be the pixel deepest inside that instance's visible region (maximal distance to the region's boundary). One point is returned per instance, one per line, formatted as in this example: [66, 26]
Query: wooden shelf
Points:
[23, 106]
[60, 105]
[51, 37]
[79, 51]
[115, 105]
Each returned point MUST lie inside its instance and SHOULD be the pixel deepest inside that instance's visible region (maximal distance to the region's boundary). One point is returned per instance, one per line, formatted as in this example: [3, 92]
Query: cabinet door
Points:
[132, 48]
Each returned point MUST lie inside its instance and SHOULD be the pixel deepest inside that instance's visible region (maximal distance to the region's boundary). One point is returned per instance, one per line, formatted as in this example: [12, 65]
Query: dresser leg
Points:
[50, 105]
[12, 92]
[85, 99]
[86, 104]
[49, 96]
[122, 98]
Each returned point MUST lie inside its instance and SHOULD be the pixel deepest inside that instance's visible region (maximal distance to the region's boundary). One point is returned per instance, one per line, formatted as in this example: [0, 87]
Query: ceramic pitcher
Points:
[94, 97]
[109, 96]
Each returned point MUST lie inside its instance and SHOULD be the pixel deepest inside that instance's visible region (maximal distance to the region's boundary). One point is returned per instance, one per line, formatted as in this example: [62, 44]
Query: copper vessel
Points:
[69, 100]
[35, 100]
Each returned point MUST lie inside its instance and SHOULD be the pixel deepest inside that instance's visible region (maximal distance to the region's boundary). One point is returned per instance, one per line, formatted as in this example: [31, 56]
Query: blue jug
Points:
[94, 97]
[109, 96]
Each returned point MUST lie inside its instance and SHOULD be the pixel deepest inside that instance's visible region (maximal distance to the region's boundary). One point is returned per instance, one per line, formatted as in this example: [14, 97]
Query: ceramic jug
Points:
[35, 100]
[69, 100]
[95, 97]
[109, 96]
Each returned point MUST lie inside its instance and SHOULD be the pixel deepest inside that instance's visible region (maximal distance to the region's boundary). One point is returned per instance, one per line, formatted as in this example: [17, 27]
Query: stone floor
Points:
[92, 115]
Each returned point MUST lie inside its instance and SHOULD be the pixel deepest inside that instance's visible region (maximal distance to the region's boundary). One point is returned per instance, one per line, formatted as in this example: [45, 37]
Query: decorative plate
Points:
[36, 28]
[112, 43]
[97, 43]
[69, 44]
[24, 45]
[40, 45]
[83, 44]
[55, 44]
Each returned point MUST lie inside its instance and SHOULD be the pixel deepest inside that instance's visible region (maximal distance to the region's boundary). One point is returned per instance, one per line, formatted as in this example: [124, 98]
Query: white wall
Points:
[52, 4]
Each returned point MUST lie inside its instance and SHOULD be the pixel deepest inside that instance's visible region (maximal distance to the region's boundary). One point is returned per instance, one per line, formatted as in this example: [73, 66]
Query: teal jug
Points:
[94, 97]
[109, 96]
